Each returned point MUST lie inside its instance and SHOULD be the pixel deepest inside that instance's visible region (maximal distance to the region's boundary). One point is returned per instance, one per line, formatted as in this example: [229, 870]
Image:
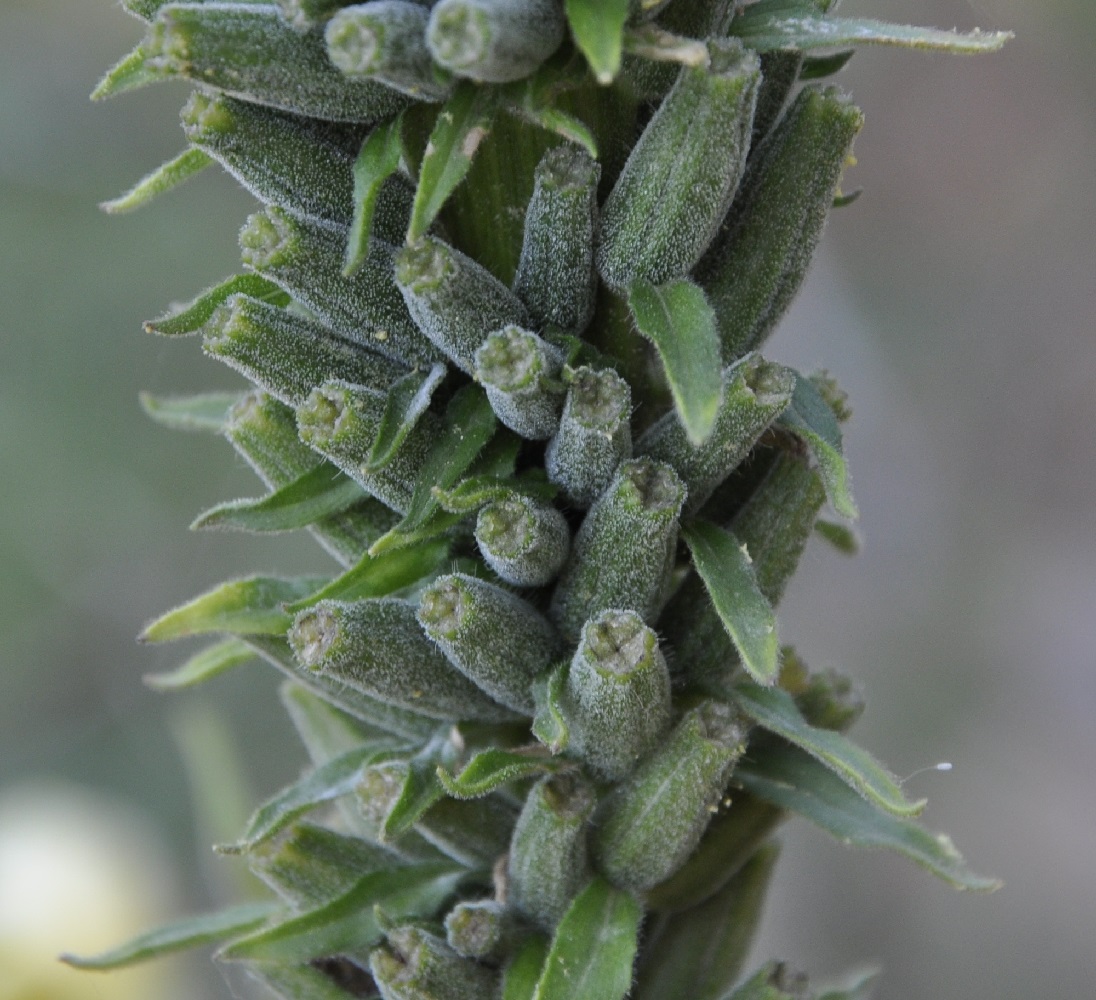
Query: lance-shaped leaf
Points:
[381, 575]
[810, 417]
[775, 710]
[593, 947]
[725, 568]
[677, 319]
[190, 933]
[787, 777]
[210, 662]
[492, 769]
[840, 536]
[462, 125]
[520, 977]
[820, 67]
[252, 606]
[339, 776]
[193, 316]
[420, 788]
[378, 160]
[205, 412]
[161, 180]
[597, 27]
[349, 923]
[469, 495]
[408, 398]
[795, 24]
[129, 73]
[319, 493]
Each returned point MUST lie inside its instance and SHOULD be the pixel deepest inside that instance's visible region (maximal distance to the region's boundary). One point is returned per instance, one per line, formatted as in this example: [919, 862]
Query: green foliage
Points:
[499, 241]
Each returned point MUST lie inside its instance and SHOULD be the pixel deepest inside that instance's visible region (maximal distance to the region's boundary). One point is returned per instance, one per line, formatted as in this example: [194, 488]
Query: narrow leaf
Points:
[349, 924]
[162, 179]
[493, 768]
[594, 947]
[319, 493]
[380, 575]
[810, 417]
[791, 779]
[840, 536]
[819, 67]
[859, 987]
[129, 73]
[210, 662]
[549, 723]
[190, 933]
[678, 320]
[725, 567]
[519, 978]
[205, 412]
[775, 710]
[408, 399]
[478, 491]
[795, 24]
[252, 606]
[563, 124]
[597, 27]
[378, 160]
[194, 315]
[421, 789]
[462, 125]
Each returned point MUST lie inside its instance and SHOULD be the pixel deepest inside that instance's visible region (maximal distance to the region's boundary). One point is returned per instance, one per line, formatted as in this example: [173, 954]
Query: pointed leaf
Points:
[859, 987]
[597, 27]
[795, 24]
[349, 924]
[210, 662]
[810, 417]
[819, 67]
[162, 179]
[205, 412]
[478, 491]
[725, 567]
[319, 493]
[462, 125]
[594, 947]
[378, 160]
[549, 723]
[775, 710]
[381, 575]
[520, 977]
[194, 315]
[129, 73]
[652, 42]
[337, 777]
[252, 606]
[190, 933]
[563, 124]
[493, 768]
[408, 399]
[787, 777]
[840, 536]
[678, 320]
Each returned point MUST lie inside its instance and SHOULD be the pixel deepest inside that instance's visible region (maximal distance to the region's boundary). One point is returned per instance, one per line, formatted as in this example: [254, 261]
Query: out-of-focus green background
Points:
[955, 301]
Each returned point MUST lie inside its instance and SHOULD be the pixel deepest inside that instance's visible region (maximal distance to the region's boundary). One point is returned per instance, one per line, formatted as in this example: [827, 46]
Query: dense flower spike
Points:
[504, 291]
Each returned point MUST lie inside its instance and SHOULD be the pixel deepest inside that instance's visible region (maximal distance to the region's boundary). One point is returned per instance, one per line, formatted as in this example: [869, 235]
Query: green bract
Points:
[503, 299]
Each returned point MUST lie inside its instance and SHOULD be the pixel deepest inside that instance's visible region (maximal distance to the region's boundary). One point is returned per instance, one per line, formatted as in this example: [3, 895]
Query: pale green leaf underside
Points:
[209, 663]
[520, 976]
[678, 320]
[775, 711]
[207, 411]
[746, 613]
[190, 933]
[793, 780]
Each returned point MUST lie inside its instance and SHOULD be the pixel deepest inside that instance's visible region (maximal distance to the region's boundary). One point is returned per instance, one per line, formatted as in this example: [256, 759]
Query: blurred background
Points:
[955, 301]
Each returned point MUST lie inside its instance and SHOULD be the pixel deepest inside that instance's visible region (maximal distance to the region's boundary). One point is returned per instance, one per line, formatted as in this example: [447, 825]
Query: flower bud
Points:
[415, 965]
[524, 540]
[481, 929]
[518, 370]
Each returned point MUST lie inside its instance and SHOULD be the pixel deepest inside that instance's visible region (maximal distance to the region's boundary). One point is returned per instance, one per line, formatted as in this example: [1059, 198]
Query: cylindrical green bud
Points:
[415, 965]
[493, 637]
[481, 929]
[495, 41]
[264, 432]
[761, 255]
[341, 421]
[618, 690]
[519, 371]
[681, 175]
[385, 40]
[249, 51]
[649, 825]
[755, 393]
[378, 791]
[288, 355]
[306, 14]
[309, 865]
[594, 436]
[827, 698]
[555, 276]
[455, 302]
[524, 540]
[300, 164]
[779, 75]
[548, 855]
[306, 259]
[624, 552]
[378, 647]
